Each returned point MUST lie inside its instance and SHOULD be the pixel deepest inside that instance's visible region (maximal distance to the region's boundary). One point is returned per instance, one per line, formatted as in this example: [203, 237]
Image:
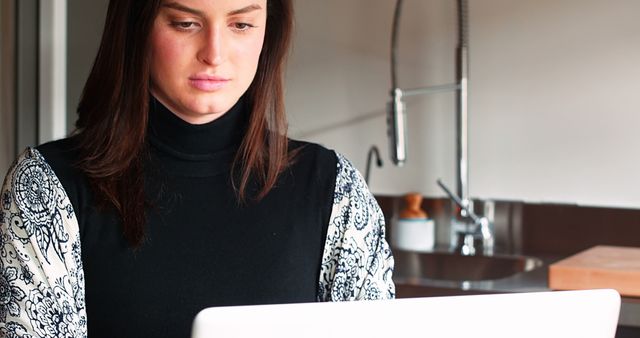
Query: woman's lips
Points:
[208, 83]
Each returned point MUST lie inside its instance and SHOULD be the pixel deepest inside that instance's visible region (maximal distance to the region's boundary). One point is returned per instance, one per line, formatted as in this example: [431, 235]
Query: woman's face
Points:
[204, 54]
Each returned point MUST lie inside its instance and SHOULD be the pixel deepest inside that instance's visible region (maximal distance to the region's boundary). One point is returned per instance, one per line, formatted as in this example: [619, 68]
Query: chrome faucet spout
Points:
[373, 151]
[477, 228]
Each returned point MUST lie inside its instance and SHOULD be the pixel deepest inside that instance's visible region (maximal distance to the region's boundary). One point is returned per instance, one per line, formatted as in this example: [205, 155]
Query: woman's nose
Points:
[213, 46]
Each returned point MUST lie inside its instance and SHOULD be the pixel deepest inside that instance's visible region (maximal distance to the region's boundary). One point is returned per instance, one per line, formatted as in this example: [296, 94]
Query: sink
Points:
[456, 267]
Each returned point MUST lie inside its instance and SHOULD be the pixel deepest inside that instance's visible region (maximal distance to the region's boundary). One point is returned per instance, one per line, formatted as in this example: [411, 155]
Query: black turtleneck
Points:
[202, 247]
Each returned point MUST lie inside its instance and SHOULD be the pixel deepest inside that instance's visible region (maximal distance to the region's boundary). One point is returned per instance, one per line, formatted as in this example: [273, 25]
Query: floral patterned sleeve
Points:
[357, 263]
[41, 277]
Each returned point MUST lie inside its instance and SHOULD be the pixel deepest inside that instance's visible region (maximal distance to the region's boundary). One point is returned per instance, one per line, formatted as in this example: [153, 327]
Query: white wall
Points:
[554, 96]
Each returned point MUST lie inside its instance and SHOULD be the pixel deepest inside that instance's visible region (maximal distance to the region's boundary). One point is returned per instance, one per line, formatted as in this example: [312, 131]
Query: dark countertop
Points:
[535, 280]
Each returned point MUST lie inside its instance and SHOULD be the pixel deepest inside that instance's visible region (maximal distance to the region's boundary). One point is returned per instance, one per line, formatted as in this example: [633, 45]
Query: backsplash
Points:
[526, 228]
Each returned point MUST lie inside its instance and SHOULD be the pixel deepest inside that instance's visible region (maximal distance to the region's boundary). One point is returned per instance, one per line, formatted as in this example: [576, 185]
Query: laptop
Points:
[562, 314]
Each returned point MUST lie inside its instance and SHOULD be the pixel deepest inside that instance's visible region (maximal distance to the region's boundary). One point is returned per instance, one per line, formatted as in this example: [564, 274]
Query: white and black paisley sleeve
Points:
[41, 277]
[357, 263]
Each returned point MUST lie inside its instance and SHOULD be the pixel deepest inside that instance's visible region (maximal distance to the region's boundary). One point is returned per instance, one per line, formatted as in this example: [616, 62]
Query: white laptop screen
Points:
[584, 314]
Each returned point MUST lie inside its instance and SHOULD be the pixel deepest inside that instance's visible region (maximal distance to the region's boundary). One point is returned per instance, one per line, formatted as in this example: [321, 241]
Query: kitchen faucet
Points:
[373, 151]
[477, 229]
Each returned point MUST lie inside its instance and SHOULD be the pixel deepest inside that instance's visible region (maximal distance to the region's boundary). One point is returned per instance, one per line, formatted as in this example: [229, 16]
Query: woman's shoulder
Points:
[50, 165]
[313, 156]
[312, 150]
[31, 172]
[25, 162]
[324, 159]
[52, 161]
[61, 154]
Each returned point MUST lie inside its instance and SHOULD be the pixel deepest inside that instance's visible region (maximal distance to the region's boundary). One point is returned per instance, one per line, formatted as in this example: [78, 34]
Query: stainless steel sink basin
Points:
[455, 267]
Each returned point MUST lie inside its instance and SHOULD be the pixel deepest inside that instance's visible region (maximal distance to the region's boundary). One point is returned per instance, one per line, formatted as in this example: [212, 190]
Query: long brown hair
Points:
[113, 112]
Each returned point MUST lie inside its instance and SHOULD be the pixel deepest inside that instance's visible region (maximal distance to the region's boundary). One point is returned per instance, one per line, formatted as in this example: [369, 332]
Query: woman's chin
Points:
[202, 117]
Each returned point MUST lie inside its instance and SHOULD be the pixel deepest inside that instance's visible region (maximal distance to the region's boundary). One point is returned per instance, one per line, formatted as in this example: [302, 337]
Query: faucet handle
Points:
[464, 205]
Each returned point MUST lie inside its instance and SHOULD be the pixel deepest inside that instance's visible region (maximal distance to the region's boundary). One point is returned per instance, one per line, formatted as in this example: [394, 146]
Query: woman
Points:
[180, 190]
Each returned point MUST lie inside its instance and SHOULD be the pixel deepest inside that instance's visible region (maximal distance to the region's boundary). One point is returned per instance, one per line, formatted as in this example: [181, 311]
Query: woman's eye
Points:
[241, 26]
[184, 25]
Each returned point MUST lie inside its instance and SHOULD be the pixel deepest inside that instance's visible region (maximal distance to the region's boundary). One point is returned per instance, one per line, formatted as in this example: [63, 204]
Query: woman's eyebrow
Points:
[183, 8]
[253, 7]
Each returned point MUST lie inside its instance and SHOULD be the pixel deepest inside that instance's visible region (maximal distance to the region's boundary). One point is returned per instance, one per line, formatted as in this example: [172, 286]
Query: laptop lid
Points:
[585, 314]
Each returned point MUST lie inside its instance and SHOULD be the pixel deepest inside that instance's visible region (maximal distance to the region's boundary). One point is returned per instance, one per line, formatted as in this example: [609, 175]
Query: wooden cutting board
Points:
[599, 267]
